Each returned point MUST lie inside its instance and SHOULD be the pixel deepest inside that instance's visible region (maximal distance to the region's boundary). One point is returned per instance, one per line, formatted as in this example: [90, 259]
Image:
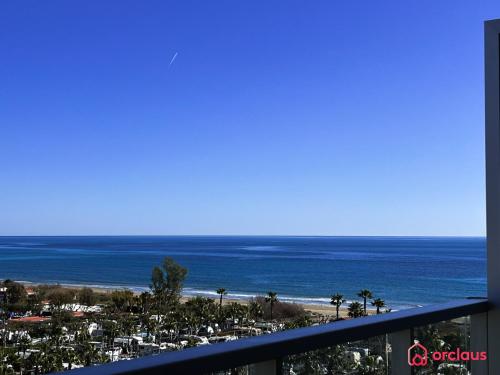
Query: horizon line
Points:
[237, 235]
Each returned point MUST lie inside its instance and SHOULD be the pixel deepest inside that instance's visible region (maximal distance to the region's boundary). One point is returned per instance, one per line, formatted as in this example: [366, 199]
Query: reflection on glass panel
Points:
[251, 369]
[450, 337]
[366, 357]
[243, 370]
[373, 356]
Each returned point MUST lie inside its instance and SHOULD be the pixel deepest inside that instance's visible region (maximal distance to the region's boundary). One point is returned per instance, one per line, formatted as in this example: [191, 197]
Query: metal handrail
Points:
[211, 358]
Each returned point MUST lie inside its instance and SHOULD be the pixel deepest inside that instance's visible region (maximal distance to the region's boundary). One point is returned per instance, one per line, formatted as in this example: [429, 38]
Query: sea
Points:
[403, 271]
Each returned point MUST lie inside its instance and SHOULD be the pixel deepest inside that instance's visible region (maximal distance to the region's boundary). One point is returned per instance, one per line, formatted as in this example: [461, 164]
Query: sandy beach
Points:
[321, 310]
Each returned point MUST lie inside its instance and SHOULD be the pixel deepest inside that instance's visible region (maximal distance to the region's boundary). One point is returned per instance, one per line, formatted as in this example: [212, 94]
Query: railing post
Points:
[492, 117]
[479, 341]
[265, 368]
[400, 342]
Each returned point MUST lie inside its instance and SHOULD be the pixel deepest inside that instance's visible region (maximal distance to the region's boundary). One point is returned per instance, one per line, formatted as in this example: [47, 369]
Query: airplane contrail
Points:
[173, 59]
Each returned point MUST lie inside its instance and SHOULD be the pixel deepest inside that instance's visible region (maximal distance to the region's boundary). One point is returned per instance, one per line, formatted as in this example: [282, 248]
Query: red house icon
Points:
[417, 355]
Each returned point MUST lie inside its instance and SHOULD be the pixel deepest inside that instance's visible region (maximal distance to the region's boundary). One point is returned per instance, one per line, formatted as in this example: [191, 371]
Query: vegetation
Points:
[166, 283]
[355, 310]
[365, 294]
[221, 292]
[86, 296]
[47, 328]
[337, 300]
[272, 299]
[280, 310]
[378, 303]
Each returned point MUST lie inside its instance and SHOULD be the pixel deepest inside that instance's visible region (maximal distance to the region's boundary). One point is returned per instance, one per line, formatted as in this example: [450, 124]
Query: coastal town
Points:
[49, 328]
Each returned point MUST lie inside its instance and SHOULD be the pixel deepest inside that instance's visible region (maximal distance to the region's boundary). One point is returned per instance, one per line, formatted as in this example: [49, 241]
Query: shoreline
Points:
[318, 309]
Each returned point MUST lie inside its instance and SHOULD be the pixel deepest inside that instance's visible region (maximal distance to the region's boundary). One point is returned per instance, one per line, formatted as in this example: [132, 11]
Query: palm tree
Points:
[337, 301]
[272, 298]
[365, 294]
[255, 310]
[222, 292]
[128, 327]
[24, 343]
[145, 300]
[378, 303]
[236, 311]
[70, 357]
[355, 310]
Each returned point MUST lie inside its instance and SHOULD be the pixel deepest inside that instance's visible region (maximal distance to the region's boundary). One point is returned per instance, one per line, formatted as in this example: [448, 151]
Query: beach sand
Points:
[320, 310]
[325, 310]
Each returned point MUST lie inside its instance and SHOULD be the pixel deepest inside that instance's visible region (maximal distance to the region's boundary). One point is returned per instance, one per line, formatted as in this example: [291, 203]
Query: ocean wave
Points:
[243, 296]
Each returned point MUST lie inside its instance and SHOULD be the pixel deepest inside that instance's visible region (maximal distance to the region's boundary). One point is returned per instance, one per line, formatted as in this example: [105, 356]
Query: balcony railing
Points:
[264, 354]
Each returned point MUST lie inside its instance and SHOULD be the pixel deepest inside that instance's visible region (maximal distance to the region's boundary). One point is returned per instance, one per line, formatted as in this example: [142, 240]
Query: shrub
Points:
[281, 310]
[86, 296]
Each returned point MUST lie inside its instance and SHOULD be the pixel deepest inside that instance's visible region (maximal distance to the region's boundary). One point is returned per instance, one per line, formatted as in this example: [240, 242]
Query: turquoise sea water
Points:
[404, 271]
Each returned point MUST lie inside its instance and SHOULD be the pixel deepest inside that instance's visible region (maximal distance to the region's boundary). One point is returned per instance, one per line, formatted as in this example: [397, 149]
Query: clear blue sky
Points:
[276, 117]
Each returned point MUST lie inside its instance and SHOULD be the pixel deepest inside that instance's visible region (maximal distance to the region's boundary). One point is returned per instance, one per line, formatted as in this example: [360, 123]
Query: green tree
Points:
[337, 300]
[201, 310]
[371, 367]
[111, 329]
[24, 343]
[145, 302]
[70, 357]
[86, 296]
[355, 310]
[255, 310]
[322, 361]
[236, 311]
[167, 282]
[302, 321]
[60, 297]
[166, 286]
[378, 303]
[129, 327]
[122, 300]
[15, 292]
[158, 284]
[272, 298]
[365, 294]
[221, 292]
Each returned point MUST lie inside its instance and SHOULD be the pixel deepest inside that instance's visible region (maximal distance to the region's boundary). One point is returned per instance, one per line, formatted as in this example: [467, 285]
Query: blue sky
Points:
[276, 117]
